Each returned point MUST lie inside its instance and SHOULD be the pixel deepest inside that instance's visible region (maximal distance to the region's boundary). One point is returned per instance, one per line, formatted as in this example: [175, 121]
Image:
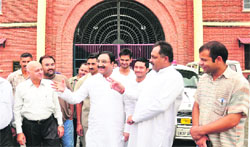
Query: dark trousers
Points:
[6, 136]
[41, 133]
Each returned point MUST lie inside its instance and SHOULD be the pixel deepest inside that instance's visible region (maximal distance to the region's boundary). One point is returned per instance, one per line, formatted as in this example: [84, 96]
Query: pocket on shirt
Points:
[219, 108]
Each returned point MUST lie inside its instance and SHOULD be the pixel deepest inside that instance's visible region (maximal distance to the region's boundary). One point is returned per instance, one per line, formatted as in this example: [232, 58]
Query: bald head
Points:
[32, 64]
[35, 71]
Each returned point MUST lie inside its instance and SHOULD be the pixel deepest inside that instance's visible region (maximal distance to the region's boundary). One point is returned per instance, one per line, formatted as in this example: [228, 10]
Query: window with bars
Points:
[113, 25]
[246, 5]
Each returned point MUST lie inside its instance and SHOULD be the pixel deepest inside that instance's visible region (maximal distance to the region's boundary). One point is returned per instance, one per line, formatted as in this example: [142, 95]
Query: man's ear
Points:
[166, 58]
[219, 59]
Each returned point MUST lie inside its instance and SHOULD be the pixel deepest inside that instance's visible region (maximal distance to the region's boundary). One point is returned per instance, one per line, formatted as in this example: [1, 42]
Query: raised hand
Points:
[116, 85]
[59, 86]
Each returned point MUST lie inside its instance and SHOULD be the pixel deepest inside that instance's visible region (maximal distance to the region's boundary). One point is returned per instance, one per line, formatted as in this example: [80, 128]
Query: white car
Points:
[184, 115]
[234, 65]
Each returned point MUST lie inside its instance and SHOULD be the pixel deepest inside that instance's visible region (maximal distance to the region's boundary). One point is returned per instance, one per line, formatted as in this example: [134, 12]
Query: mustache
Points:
[101, 67]
[51, 70]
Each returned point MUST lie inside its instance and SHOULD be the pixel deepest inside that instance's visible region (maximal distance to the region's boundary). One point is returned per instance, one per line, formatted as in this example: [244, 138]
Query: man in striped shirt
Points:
[221, 100]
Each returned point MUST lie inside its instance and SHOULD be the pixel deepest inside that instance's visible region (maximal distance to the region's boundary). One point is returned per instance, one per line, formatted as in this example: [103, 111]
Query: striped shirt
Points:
[217, 98]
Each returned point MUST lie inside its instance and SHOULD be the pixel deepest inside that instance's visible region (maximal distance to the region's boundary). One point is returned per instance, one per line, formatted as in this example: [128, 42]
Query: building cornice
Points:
[226, 24]
[18, 25]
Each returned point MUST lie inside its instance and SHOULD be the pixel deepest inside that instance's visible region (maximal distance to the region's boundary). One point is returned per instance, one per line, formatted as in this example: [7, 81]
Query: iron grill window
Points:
[116, 22]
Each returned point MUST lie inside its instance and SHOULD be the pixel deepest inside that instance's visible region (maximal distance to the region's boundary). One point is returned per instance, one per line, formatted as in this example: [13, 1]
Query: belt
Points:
[38, 121]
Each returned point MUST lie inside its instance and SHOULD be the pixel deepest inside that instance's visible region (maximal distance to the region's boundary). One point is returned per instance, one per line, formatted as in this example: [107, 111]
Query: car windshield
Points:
[190, 78]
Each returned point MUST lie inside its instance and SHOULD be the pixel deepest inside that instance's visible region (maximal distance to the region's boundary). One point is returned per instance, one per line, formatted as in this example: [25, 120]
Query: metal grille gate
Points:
[113, 25]
[83, 50]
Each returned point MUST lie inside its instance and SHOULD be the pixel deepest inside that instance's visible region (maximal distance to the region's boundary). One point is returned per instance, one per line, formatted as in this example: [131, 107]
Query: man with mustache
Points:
[106, 116]
[82, 71]
[16, 78]
[158, 102]
[82, 109]
[20, 75]
[48, 65]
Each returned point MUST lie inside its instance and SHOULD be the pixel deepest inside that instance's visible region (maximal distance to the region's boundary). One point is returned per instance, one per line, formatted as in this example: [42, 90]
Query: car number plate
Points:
[181, 132]
[185, 121]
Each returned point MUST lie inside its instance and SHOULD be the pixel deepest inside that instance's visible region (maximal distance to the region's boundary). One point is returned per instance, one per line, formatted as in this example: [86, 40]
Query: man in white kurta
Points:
[141, 68]
[106, 116]
[157, 105]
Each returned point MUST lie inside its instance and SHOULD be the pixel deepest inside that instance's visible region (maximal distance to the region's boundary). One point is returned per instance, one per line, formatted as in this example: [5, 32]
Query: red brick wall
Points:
[177, 21]
[227, 11]
[63, 16]
[228, 36]
[18, 11]
[19, 40]
[224, 10]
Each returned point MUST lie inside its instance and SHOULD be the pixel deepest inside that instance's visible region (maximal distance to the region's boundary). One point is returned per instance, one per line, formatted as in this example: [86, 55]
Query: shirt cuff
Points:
[19, 129]
[60, 122]
[127, 128]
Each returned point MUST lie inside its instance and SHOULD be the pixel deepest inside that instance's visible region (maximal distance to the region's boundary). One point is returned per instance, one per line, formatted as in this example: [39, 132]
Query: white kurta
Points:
[130, 99]
[106, 116]
[157, 107]
[126, 81]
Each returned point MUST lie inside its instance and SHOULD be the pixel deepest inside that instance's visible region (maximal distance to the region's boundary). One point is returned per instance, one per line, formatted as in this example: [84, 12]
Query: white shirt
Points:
[6, 103]
[36, 103]
[130, 99]
[106, 115]
[157, 106]
[126, 81]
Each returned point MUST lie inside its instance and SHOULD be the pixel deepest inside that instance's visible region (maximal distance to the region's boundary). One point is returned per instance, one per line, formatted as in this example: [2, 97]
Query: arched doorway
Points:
[112, 22]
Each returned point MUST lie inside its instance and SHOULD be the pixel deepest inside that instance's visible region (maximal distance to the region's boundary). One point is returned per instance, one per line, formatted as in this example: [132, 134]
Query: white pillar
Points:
[41, 24]
[198, 28]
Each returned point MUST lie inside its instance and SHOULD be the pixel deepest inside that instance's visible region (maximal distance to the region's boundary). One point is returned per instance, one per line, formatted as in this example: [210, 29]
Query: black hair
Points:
[46, 56]
[216, 49]
[144, 60]
[126, 52]
[110, 54]
[92, 56]
[165, 49]
[25, 55]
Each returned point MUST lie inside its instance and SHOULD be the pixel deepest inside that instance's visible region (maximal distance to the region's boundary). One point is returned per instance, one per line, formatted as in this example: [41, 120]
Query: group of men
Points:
[118, 105]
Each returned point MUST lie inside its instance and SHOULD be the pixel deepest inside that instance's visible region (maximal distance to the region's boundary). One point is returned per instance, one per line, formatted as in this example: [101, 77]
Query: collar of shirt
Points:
[163, 70]
[31, 83]
[75, 78]
[228, 73]
[19, 72]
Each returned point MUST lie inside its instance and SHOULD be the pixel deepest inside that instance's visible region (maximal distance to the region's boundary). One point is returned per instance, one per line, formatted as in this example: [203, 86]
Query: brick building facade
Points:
[223, 20]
